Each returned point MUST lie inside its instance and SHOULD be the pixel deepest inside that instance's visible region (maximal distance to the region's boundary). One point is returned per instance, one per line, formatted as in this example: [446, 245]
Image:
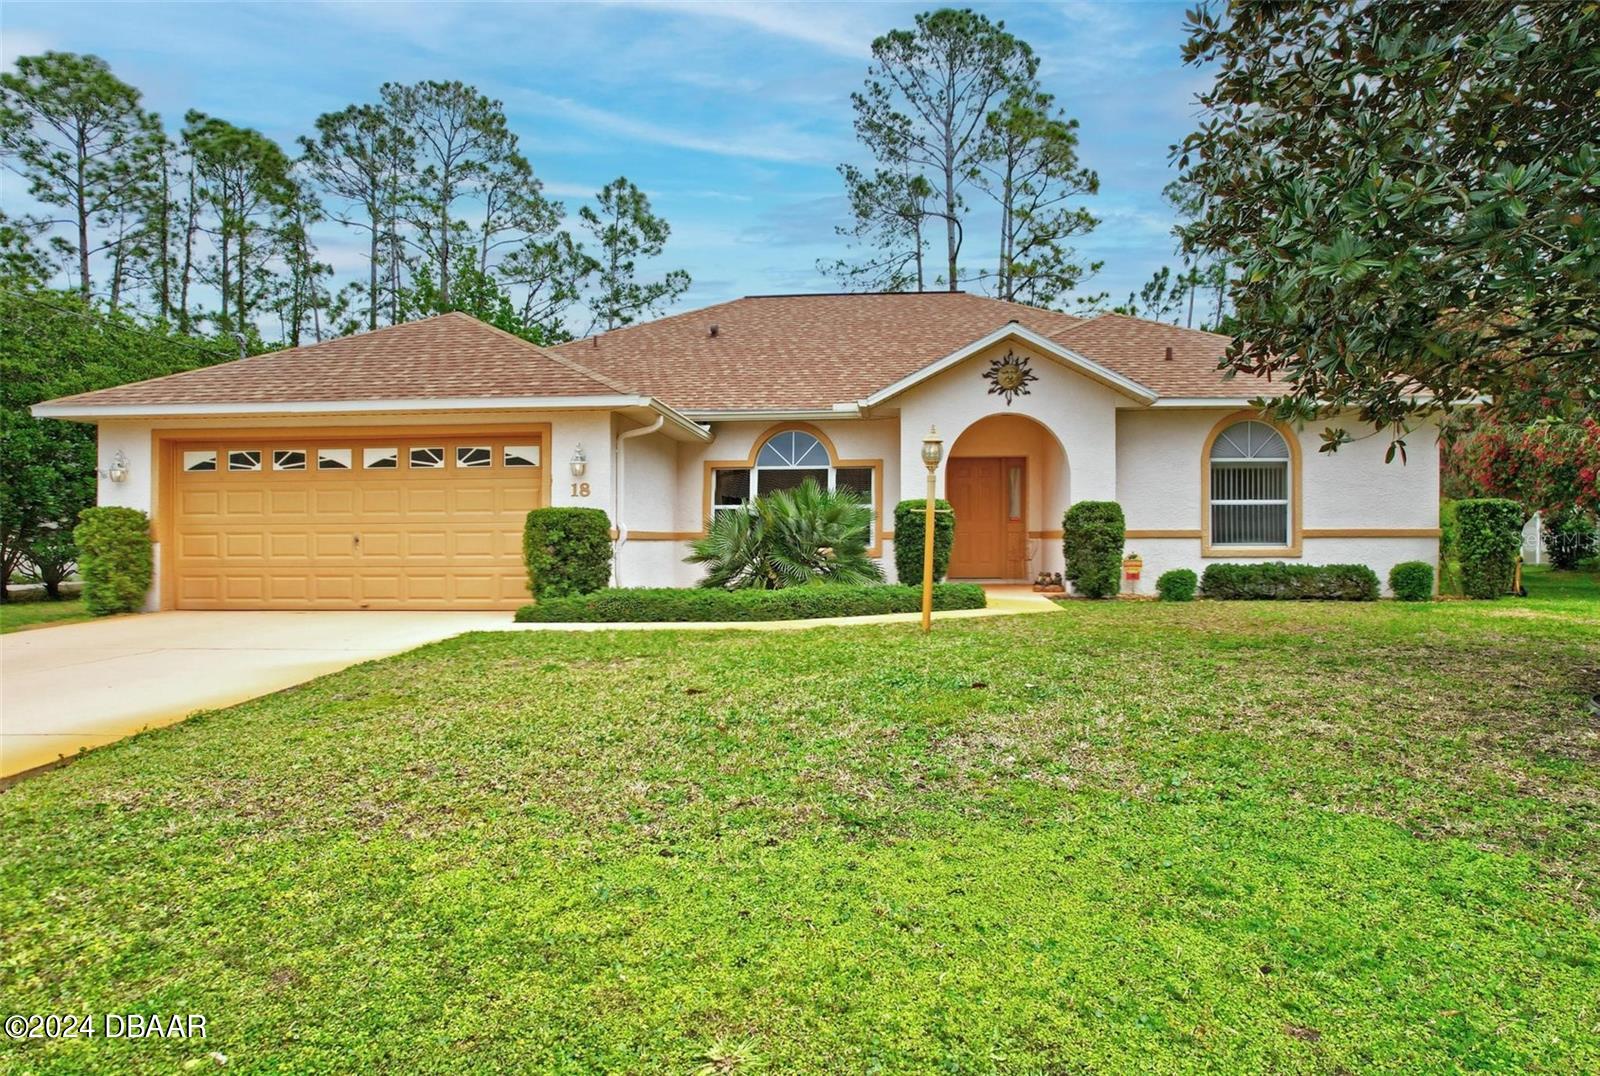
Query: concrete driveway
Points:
[83, 685]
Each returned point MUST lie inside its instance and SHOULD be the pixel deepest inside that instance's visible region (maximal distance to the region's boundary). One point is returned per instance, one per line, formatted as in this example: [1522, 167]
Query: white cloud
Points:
[762, 142]
[836, 28]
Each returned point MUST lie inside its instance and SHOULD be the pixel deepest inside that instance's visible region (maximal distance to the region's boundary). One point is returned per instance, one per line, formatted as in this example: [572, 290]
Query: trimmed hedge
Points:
[625, 605]
[1177, 585]
[114, 559]
[1278, 580]
[1093, 533]
[1412, 581]
[908, 539]
[1488, 539]
[567, 551]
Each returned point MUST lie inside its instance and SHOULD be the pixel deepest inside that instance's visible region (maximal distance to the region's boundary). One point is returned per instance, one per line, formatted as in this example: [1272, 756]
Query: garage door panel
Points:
[244, 545]
[427, 502]
[288, 502]
[241, 504]
[198, 504]
[381, 538]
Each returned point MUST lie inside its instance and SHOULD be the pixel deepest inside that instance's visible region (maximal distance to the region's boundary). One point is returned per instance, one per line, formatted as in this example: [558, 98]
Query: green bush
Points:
[1489, 537]
[1570, 538]
[909, 538]
[1412, 581]
[114, 559]
[1449, 554]
[567, 551]
[687, 605]
[1278, 580]
[1177, 585]
[1092, 536]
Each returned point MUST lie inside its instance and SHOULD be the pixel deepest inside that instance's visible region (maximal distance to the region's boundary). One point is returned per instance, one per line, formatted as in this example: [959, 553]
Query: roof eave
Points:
[676, 421]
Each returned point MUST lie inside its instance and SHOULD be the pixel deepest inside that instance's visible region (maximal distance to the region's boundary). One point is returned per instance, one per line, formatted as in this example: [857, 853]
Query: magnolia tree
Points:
[1404, 195]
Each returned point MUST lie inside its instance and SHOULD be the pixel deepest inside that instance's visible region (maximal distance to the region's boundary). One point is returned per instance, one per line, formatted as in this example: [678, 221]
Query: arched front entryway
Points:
[1008, 482]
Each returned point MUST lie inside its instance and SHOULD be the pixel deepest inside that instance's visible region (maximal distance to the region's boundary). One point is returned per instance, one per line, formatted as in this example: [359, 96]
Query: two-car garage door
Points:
[324, 522]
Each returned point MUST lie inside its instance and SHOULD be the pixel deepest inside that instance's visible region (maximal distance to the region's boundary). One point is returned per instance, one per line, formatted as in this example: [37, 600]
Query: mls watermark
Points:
[111, 1025]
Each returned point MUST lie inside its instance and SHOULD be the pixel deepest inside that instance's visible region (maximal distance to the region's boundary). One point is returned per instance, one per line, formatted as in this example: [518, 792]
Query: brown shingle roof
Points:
[1136, 348]
[445, 357]
[796, 352]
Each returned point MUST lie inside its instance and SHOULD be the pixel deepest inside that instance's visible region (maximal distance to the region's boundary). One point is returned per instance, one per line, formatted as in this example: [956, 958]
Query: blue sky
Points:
[732, 116]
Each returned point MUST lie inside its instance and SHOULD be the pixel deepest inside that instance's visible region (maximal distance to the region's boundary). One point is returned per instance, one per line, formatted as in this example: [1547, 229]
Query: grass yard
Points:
[20, 616]
[1252, 836]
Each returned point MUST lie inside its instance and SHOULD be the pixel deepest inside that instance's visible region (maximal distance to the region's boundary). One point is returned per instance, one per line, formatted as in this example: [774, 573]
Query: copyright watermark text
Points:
[111, 1025]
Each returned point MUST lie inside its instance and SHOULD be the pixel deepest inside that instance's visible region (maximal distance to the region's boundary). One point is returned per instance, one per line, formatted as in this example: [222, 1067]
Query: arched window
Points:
[1250, 487]
[783, 461]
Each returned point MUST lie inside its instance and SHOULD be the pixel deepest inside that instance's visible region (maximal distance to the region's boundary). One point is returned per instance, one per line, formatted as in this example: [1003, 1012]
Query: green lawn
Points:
[1132, 836]
[20, 616]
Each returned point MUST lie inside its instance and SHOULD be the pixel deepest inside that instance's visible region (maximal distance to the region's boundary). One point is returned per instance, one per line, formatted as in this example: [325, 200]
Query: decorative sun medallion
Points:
[1009, 376]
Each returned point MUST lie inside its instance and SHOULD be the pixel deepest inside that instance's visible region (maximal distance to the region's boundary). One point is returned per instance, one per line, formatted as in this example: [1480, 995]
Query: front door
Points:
[976, 490]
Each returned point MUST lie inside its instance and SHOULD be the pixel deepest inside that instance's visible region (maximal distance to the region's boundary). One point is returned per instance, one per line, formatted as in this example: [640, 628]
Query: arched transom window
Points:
[786, 459]
[1250, 484]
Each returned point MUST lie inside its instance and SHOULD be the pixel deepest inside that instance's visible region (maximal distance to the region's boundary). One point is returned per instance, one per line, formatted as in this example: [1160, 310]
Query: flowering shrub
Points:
[1547, 466]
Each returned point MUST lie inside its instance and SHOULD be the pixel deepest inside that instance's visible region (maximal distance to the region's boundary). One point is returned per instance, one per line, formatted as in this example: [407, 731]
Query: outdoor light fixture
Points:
[932, 452]
[580, 462]
[118, 471]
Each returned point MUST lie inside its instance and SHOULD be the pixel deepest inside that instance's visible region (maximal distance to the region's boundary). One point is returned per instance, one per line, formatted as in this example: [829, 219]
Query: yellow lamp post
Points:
[932, 450]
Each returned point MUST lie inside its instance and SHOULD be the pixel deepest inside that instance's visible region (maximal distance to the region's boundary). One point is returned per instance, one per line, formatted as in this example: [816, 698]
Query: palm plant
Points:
[788, 538]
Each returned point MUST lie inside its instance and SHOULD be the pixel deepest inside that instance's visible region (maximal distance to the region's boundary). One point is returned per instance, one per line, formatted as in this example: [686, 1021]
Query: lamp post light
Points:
[932, 451]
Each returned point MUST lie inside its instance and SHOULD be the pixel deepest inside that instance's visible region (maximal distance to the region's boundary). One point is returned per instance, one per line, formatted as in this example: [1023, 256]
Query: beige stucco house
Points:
[393, 469]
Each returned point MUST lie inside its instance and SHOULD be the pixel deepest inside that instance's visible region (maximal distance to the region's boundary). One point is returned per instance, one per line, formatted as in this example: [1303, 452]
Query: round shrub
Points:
[1488, 539]
[567, 551]
[114, 559]
[1412, 581]
[908, 539]
[1092, 537]
[1178, 585]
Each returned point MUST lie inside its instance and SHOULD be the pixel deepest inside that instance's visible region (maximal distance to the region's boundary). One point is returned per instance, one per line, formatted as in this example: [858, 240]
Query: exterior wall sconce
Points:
[580, 462]
[118, 471]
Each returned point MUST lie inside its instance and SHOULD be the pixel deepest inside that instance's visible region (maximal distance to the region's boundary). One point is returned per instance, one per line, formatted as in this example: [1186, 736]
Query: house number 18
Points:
[580, 489]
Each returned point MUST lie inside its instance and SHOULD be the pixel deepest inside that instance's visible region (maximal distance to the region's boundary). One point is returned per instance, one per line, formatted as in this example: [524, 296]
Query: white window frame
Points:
[1286, 502]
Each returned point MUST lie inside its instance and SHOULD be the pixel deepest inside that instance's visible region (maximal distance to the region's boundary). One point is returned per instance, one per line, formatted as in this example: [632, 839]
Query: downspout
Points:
[618, 488]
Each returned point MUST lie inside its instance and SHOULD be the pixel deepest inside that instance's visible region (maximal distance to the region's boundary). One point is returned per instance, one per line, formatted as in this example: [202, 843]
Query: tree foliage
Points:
[625, 229]
[53, 344]
[1405, 195]
[950, 106]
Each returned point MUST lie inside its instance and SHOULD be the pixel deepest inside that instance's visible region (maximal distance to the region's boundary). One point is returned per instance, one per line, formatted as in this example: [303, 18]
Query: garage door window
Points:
[333, 459]
[522, 455]
[380, 459]
[244, 460]
[289, 459]
[199, 461]
[474, 456]
[424, 458]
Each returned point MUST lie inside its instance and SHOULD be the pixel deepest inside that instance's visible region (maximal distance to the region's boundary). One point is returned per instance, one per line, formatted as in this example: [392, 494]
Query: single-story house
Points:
[393, 469]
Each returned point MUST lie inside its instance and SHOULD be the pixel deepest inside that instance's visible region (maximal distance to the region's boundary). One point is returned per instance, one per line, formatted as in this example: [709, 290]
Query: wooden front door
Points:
[977, 489]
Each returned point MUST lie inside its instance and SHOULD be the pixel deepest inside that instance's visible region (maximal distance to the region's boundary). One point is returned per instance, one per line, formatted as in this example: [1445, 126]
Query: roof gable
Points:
[1041, 344]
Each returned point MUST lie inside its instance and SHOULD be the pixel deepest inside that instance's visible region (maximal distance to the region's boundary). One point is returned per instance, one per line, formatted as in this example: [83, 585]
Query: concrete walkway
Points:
[72, 686]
